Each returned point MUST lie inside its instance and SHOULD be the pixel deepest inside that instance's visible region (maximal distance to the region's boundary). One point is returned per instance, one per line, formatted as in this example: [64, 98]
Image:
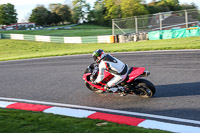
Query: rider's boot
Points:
[123, 91]
[111, 89]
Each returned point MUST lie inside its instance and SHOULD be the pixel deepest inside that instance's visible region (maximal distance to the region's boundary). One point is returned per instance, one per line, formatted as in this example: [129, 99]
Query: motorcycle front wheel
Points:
[144, 88]
[90, 87]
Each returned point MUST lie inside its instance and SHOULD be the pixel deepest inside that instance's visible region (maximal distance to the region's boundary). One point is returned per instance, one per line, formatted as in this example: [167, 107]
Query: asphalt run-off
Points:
[58, 80]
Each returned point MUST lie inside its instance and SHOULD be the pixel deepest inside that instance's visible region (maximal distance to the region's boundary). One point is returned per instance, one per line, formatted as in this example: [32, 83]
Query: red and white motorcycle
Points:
[133, 83]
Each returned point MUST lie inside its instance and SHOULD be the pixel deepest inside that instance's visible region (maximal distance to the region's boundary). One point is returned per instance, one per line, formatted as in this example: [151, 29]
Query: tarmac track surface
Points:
[176, 75]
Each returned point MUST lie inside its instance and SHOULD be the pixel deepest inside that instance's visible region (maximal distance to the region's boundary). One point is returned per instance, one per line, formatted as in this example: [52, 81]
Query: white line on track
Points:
[104, 110]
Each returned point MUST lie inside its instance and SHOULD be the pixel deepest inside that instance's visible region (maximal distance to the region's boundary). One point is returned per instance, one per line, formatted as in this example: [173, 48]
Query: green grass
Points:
[66, 33]
[53, 27]
[17, 49]
[90, 26]
[80, 30]
[18, 121]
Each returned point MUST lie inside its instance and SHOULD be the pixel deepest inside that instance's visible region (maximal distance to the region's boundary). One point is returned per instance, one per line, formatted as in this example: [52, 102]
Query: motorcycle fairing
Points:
[100, 87]
[136, 71]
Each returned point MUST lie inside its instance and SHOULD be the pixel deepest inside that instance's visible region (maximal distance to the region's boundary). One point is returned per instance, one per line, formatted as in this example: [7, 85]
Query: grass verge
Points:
[64, 33]
[19, 121]
[80, 30]
[16, 49]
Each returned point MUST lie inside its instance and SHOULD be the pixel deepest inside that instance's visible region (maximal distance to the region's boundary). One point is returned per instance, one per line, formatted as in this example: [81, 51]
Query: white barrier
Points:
[42, 38]
[103, 39]
[17, 36]
[79, 40]
[72, 40]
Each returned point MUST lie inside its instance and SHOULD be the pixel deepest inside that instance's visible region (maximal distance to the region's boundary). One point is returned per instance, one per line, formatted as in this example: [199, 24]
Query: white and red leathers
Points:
[116, 67]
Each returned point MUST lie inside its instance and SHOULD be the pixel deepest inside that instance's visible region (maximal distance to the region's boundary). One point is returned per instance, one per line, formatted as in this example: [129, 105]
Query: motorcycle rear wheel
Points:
[145, 88]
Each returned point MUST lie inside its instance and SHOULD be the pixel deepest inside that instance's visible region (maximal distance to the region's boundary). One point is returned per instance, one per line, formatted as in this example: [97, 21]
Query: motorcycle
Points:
[133, 83]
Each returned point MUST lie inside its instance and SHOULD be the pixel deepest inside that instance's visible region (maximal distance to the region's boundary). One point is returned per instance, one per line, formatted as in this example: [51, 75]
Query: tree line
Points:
[80, 11]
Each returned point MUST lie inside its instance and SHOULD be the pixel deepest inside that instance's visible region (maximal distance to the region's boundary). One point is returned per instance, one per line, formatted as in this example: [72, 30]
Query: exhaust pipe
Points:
[145, 74]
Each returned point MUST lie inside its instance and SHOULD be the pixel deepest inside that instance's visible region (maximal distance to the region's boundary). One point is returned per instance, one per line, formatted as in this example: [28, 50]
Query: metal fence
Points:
[158, 21]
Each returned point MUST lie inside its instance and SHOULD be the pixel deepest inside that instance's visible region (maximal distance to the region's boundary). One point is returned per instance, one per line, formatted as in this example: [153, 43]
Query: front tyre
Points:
[90, 87]
[144, 88]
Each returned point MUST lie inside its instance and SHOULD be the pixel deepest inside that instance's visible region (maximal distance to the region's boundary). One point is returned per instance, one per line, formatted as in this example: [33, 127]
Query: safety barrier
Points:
[153, 35]
[56, 39]
[174, 33]
[157, 35]
[131, 37]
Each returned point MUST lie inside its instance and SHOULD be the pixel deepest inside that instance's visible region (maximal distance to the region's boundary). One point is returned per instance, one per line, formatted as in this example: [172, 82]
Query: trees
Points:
[188, 6]
[40, 15]
[53, 6]
[113, 9]
[8, 14]
[64, 12]
[132, 8]
[103, 12]
[123, 8]
[167, 5]
[55, 18]
[59, 13]
[98, 13]
[162, 6]
[80, 10]
[173, 5]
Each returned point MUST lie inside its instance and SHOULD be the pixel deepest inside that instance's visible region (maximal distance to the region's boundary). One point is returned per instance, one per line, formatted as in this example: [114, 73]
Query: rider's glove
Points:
[91, 78]
[106, 88]
[94, 82]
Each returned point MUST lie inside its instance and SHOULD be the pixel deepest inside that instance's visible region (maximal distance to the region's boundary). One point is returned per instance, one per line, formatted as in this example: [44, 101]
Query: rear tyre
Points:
[144, 88]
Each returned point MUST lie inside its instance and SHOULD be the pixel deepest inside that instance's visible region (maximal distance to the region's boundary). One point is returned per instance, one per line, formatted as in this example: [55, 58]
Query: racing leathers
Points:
[114, 66]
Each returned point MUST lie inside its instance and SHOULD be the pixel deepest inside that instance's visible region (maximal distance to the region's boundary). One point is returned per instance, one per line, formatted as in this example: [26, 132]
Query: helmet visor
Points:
[95, 58]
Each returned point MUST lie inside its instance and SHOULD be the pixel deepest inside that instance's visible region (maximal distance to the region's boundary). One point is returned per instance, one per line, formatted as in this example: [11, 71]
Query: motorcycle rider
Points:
[114, 66]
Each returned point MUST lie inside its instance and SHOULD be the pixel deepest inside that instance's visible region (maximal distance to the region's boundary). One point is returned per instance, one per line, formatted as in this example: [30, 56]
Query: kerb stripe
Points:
[116, 118]
[29, 107]
[4, 104]
[69, 112]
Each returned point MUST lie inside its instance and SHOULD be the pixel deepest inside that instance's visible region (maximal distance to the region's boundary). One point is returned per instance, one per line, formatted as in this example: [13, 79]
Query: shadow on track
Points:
[173, 90]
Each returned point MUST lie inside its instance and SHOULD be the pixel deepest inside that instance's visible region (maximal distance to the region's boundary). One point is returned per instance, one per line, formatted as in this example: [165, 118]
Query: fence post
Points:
[113, 27]
[160, 17]
[136, 25]
[186, 19]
